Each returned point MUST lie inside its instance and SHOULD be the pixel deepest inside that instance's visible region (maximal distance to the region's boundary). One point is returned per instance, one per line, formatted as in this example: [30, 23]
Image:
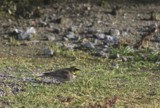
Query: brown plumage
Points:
[65, 74]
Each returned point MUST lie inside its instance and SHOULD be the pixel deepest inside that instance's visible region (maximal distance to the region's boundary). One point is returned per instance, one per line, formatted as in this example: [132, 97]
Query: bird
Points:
[62, 75]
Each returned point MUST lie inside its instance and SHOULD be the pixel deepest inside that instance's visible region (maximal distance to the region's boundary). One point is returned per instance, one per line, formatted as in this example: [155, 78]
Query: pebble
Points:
[124, 59]
[111, 40]
[114, 32]
[71, 35]
[89, 45]
[124, 33]
[100, 36]
[43, 24]
[28, 34]
[158, 63]
[73, 29]
[48, 52]
[2, 93]
[50, 38]
[114, 56]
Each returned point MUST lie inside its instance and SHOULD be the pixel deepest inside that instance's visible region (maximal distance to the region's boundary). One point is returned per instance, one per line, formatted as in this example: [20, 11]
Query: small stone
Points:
[43, 24]
[71, 35]
[89, 45]
[114, 56]
[124, 33]
[28, 34]
[111, 40]
[73, 28]
[124, 59]
[65, 39]
[1, 93]
[100, 36]
[101, 54]
[114, 32]
[48, 52]
[50, 38]
[158, 63]
[92, 30]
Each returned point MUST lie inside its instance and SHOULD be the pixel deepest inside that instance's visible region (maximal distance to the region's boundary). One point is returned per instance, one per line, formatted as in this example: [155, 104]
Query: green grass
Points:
[136, 83]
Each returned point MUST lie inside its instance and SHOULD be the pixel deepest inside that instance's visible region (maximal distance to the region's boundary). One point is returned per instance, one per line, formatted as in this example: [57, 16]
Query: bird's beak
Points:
[77, 69]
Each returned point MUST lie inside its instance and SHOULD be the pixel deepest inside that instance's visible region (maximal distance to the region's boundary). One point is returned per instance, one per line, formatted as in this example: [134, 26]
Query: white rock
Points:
[28, 34]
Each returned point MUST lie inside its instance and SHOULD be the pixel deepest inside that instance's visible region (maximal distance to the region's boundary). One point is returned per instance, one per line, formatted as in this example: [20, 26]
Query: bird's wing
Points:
[58, 73]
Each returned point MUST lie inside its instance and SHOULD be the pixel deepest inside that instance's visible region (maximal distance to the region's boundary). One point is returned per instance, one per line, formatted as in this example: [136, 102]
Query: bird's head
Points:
[74, 68]
[74, 71]
[70, 73]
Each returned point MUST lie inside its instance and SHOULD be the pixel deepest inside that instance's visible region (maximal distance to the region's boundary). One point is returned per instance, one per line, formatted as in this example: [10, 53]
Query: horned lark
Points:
[62, 75]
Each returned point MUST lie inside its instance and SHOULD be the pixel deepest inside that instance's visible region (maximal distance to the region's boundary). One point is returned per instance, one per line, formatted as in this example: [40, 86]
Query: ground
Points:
[129, 81]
